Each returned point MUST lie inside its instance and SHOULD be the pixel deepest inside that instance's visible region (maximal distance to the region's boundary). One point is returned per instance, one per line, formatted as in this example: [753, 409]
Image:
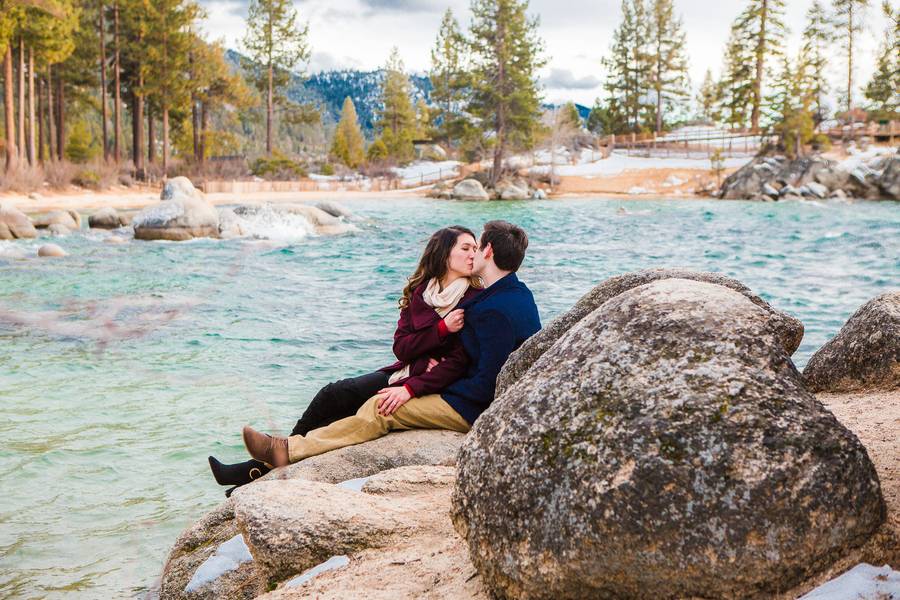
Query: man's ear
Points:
[488, 251]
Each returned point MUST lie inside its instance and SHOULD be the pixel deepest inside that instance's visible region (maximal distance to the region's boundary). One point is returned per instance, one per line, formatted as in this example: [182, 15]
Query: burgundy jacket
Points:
[422, 334]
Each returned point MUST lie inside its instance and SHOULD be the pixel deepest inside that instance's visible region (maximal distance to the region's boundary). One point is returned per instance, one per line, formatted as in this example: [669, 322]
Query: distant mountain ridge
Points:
[327, 90]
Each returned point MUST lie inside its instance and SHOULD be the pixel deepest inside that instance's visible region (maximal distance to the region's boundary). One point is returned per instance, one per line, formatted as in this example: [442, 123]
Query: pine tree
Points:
[607, 118]
[377, 152]
[817, 37]
[883, 90]
[276, 44]
[708, 97]
[849, 21]
[669, 67]
[629, 64]
[762, 25]
[736, 87]
[450, 80]
[397, 119]
[792, 102]
[348, 146]
[506, 53]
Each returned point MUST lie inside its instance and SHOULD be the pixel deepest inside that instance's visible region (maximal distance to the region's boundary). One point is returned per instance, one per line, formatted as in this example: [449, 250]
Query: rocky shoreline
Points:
[771, 178]
[686, 455]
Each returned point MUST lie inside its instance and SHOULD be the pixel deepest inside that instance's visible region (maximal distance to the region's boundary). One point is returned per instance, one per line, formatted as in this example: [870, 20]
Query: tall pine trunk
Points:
[270, 100]
[41, 125]
[658, 86]
[760, 62]
[137, 125]
[51, 117]
[151, 135]
[165, 152]
[104, 114]
[204, 123]
[850, 61]
[21, 145]
[500, 127]
[32, 159]
[117, 108]
[60, 118]
[12, 154]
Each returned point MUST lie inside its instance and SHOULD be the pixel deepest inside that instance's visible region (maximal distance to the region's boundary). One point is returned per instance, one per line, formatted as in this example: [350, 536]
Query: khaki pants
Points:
[427, 412]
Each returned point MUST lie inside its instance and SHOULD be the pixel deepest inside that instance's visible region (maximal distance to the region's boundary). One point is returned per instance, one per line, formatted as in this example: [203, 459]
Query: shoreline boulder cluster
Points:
[654, 440]
[183, 213]
[771, 178]
[473, 189]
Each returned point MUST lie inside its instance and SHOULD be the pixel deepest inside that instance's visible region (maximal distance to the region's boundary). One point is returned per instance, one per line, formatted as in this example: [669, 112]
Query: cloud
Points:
[565, 79]
[325, 61]
[417, 6]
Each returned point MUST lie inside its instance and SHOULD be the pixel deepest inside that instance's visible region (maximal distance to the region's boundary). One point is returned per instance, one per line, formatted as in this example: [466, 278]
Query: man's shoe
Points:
[266, 448]
[237, 474]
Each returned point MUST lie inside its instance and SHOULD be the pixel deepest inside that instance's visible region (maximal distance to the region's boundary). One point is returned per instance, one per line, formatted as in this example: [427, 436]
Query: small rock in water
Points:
[114, 239]
[51, 251]
[105, 218]
[58, 230]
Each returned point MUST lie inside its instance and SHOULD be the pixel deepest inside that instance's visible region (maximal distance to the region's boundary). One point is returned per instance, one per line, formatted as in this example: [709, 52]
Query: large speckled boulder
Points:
[889, 182]
[788, 328]
[864, 355]
[182, 214]
[665, 447]
[14, 224]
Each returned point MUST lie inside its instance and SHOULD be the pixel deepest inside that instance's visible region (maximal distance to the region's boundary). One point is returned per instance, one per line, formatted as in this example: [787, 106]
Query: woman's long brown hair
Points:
[434, 260]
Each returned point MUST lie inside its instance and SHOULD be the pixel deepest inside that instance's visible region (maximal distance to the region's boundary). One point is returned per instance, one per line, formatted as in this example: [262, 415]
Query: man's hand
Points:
[432, 363]
[454, 321]
[391, 399]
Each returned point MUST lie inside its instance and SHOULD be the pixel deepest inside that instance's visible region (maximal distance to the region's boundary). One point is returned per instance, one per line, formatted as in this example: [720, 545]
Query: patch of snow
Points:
[427, 170]
[227, 557]
[638, 190]
[335, 562]
[354, 484]
[862, 582]
[618, 163]
[673, 180]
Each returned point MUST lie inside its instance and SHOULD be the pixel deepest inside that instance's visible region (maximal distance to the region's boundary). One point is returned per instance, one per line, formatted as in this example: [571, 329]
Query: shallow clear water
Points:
[136, 361]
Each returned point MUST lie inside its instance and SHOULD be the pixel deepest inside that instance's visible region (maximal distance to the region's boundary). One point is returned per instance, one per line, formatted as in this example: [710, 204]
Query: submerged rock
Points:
[51, 251]
[789, 330]
[335, 210]
[865, 354]
[14, 224]
[470, 189]
[667, 448]
[58, 230]
[182, 214]
[106, 218]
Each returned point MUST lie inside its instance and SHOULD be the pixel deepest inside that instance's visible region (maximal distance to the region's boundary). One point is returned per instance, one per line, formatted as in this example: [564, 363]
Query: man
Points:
[497, 321]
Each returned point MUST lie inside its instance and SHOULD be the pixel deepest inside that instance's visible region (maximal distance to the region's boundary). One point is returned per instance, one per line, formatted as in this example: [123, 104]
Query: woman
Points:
[430, 355]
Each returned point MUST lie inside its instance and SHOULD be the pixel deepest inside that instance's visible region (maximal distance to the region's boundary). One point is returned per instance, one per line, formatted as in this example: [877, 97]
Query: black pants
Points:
[339, 400]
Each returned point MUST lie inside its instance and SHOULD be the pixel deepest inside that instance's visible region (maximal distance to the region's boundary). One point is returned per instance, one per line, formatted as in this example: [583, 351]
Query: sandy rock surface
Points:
[182, 214]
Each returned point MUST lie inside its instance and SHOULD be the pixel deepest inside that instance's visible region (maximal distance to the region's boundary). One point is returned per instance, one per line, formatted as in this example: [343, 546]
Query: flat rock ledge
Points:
[300, 516]
[865, 354]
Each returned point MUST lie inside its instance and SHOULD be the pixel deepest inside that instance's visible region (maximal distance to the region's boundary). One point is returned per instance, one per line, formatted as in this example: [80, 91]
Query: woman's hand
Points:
[432, 363]
[455, 320]
[391, 399]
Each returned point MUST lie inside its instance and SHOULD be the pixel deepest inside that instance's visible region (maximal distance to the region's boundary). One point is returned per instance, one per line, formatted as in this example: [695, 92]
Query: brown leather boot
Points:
[266, 448]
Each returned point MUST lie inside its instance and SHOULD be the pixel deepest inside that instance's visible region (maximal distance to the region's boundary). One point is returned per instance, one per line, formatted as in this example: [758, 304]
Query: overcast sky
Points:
[359, 34]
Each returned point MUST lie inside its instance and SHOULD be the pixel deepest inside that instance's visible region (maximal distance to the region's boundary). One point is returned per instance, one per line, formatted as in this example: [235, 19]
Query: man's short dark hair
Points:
[508, 242]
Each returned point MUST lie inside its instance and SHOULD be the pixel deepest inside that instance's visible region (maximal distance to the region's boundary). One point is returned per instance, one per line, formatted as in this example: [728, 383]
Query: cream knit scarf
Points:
[443, 301]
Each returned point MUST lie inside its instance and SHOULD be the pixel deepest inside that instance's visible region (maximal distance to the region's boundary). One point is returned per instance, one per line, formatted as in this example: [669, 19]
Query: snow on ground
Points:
[227, 557]
[354, 484]
[335, 562]
[426, 170]
[862, 582]
[858, 158]
[618, 163]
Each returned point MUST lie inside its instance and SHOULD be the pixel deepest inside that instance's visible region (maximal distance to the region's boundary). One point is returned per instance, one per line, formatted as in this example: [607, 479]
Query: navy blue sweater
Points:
[498, 320]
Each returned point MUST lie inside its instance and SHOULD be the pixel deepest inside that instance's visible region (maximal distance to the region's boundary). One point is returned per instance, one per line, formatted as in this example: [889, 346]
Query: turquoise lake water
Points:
[123, 366]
